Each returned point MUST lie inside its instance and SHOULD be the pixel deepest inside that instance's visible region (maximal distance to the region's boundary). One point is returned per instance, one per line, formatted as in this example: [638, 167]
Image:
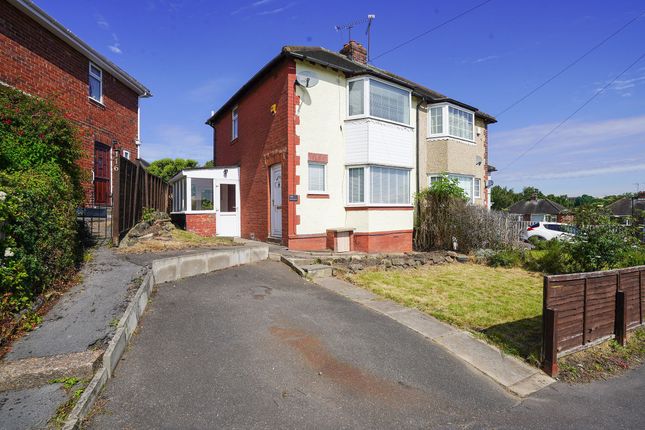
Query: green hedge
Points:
[39, 192]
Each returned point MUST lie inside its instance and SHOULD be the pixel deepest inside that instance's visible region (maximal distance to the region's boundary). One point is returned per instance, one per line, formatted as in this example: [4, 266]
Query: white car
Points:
[549, 231]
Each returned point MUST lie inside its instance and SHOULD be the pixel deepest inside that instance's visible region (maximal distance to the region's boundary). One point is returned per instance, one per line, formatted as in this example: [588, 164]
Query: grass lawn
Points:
[504, 306]
[181, 239]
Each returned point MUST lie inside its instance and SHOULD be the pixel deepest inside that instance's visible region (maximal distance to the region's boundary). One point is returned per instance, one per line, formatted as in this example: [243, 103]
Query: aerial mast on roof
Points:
[351, 25]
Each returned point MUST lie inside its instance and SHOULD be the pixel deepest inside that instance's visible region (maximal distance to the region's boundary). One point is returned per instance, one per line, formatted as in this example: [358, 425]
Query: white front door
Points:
[276, 200]
[227, 218]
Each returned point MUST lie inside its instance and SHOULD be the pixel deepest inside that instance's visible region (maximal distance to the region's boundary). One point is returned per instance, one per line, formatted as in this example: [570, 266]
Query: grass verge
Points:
[181, 239]
[503, 306]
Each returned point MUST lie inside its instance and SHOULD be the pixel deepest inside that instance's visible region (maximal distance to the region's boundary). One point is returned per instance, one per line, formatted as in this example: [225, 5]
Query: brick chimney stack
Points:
[355, 51]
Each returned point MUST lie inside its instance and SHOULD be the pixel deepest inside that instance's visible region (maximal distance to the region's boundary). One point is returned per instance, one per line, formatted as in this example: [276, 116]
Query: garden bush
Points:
[39, 192]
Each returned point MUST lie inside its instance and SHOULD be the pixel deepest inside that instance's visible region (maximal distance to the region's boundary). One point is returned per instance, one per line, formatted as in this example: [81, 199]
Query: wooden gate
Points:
[101, 174]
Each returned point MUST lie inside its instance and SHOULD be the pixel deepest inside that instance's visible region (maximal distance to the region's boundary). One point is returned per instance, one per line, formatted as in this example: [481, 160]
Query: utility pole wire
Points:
[567, 67]
[589, 100]
[418, 36]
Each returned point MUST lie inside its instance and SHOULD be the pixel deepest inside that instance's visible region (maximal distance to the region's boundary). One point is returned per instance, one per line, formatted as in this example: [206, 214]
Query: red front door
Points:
[101, 174]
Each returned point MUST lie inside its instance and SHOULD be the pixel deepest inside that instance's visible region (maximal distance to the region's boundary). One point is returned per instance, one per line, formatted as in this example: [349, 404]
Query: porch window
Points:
[201, 194]
[179, 196]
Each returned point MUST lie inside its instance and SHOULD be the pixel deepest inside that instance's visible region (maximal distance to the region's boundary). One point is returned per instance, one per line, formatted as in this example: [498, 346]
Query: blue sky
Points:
[194, 54]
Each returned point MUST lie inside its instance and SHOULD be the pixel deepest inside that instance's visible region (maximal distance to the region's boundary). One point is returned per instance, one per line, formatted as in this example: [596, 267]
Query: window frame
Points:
[366, 100]
[445, 123]
[91, 75]
[235, 123]
[367, 186]
[477, 188]
[126, 154]
[324, 166]
[189, 197]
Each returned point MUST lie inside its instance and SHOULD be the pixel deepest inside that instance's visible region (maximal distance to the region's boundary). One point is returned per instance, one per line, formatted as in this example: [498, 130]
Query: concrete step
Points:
[316, 270]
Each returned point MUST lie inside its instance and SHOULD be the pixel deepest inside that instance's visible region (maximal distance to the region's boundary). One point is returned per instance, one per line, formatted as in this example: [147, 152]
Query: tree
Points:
[444, 187]
[585, 200]
[529, 192]
[503, 197]
[209, 164]
[166, 168]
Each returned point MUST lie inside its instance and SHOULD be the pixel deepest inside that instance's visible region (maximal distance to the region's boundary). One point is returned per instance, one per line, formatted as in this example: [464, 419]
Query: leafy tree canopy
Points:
[166, 168]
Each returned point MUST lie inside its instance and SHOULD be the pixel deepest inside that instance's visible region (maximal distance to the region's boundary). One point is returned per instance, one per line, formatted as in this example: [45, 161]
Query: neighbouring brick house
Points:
[328, 150]
[44, 59]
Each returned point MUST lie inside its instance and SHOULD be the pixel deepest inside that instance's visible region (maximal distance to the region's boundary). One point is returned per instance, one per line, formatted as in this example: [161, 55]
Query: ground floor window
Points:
[316, 177]
[385, 185]
[470, 184]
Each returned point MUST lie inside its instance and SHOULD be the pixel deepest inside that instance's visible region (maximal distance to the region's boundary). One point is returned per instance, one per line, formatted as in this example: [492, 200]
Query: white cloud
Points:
[116, 46]
[172, 140]
[484, 59]
[102, 23]
[251, 6]
[276, 10]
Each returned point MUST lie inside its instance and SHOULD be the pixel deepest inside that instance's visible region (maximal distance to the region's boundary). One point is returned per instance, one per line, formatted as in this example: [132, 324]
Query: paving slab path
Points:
[259, 347]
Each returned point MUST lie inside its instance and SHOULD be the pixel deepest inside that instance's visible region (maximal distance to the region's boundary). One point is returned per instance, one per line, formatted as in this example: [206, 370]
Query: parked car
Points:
[549, 231]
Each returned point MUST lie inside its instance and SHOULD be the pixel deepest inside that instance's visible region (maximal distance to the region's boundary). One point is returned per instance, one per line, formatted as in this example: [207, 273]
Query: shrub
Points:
[553, 257]
[505, 258]
[39, 192]
[40, 246]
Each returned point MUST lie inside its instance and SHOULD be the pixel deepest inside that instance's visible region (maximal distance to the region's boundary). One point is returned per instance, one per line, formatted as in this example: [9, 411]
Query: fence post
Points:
[116, 199]
[621, 318]
[550, 342]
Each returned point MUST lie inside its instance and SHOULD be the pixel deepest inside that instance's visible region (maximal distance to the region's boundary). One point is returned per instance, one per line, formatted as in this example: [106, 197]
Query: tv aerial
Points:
[351, 25]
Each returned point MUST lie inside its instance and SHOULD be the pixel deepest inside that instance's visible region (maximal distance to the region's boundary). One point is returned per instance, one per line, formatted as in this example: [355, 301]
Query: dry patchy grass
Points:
[181, 239]
[504, 306]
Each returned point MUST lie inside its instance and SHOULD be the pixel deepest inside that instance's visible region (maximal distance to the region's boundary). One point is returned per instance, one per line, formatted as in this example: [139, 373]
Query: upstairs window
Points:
[447, 120]
[234, 125]
[96, 83]
[370, 97]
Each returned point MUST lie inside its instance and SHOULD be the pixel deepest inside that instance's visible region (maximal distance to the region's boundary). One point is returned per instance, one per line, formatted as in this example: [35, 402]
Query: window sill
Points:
[96, 102]
[317, 195]
[375, 118]
[449, 136]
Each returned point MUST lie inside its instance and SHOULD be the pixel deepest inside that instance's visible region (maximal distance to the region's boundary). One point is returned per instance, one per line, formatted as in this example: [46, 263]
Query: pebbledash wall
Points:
[35, 61]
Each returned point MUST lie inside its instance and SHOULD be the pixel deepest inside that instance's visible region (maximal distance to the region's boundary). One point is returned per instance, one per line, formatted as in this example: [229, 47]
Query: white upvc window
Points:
[126, 155]
[317, 178]
[478, 188]
[446, 120]
[370, 97]
[234, 124]
[465, 182]
[95, 83]
[201, 194]
[378, 185]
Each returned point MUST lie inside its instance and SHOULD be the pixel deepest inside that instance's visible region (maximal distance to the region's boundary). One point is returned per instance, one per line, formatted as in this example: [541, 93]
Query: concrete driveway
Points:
[258, 347]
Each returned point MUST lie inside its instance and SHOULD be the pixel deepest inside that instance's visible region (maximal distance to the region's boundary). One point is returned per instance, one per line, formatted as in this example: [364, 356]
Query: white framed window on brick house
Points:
[378, 185]
[95, 83]
[446, 120]
[234, 124]
[317, 178]
[126, 154]
[370, 97]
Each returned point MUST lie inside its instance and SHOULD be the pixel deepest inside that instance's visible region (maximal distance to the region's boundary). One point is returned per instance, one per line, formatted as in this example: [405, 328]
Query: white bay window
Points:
[373, 98]
[378, 185]
[446, 120]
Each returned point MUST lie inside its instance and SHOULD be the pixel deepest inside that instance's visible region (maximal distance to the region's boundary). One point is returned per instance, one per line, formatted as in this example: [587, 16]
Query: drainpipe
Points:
[417, 148]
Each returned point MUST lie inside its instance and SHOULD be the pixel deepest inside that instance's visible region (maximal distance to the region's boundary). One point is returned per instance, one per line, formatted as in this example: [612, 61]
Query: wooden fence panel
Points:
[135, 189]
[583, 308]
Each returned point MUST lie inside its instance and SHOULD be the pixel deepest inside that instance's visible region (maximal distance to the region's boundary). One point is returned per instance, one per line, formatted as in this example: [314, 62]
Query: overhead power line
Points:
[560, 124]
[568, 66]
[418, 36]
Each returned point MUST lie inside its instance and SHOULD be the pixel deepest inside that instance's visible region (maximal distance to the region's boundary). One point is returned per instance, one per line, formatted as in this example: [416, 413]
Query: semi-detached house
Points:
[331, 150]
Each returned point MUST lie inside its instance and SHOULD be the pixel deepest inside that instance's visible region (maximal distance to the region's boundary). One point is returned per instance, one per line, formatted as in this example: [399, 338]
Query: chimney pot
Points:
[355, 51]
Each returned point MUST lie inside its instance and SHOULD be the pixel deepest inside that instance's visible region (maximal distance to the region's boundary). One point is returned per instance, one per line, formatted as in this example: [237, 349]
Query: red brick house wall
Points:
[202, 224]
[263, 138]
[37, 62]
